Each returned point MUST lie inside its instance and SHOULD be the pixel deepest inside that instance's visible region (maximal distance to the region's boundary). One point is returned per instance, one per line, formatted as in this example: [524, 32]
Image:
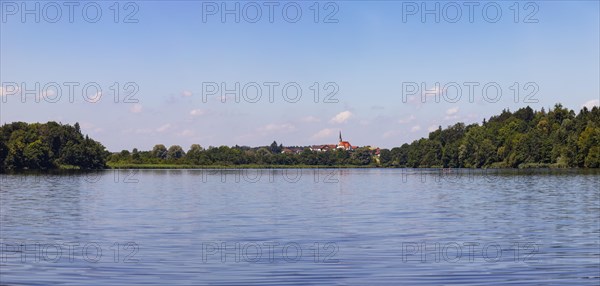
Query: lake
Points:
[301, 226]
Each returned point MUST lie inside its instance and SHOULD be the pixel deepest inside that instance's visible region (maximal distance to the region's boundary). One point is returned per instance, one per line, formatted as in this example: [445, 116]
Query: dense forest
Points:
[526, 138]
[48, 146]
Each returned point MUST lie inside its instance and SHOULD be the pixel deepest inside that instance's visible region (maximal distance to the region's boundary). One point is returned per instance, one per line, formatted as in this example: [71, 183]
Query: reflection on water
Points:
[327, 226]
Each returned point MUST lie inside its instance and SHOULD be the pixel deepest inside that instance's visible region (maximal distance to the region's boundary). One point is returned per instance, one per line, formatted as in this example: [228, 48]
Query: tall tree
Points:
[159, 151]
[175, 152]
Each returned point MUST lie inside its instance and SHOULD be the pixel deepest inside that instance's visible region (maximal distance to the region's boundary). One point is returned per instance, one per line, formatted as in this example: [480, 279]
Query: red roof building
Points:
[344, 144]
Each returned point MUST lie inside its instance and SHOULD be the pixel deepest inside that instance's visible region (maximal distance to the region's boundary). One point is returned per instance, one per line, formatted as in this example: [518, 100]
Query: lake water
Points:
[327, 226]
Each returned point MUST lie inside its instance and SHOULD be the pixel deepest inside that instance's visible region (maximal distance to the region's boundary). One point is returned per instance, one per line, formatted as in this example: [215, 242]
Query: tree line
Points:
[240, 155]
[51, 145]
[520, 139]
[525, 138]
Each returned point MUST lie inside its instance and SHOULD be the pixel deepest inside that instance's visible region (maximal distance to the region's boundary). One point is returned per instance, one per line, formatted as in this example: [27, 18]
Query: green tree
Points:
[135, 156]
[385, 157]
[592, 160]
[361, 156]
[175, 152]
[159, 151]
[37, 156]
[48, 145]
[274, 148]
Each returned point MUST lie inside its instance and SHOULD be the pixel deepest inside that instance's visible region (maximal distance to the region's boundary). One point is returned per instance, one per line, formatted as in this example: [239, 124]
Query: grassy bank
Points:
[258, 166]
[247, 166]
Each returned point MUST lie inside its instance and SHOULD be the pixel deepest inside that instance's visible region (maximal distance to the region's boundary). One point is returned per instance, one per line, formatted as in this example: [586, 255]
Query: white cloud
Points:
[591, 103]
[415, 128]
[406, 119]
[49, 93]
[186, 93]
[452, 111]
[310, 119]
[163, 128]
[341, 117]
[90, 127]
[136, 108]
[4, 91]
[432, 128]
[413, 100]
[324, 133]
[277, 127]
[196, 112]
[186, 133]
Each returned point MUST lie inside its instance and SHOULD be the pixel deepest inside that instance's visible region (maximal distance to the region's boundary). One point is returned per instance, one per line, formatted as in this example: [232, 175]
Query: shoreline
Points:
[275, 167]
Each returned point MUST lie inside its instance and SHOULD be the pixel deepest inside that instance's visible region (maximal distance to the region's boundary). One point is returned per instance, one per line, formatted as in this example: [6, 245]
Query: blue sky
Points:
[368, 55]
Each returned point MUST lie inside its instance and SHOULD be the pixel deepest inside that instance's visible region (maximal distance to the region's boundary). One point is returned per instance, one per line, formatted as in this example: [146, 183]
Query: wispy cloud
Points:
[89, 127]
[186, 133]
[415, 128]
[273, 127]
[407, 119]
[197, 112]
[324, 133]
[341, 117]
[310, 119]
[163, 128]
[51, 93]
[136, 108]
[14, 90]
[591, 103]
[452, 111]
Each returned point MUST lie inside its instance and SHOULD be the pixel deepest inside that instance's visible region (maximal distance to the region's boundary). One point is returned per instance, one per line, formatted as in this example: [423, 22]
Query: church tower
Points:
[344, 144]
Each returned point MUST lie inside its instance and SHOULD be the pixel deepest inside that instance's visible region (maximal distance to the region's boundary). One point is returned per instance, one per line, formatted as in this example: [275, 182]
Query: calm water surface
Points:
[349, 226]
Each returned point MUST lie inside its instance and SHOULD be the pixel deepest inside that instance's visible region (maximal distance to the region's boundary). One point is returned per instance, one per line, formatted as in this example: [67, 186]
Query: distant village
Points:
[343, 145]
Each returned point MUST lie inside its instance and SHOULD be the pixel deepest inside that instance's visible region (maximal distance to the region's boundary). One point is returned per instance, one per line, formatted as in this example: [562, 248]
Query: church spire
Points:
[340, 136]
